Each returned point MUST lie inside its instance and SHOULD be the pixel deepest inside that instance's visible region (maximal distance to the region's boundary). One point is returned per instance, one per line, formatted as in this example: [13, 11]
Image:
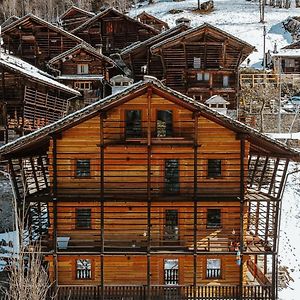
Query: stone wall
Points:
[6, 205]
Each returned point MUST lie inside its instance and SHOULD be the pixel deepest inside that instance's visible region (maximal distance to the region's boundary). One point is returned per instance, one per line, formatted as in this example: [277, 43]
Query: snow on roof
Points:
[18, 65]
[80, 77]
[73, 7]
[216, 99]
[89, 111]
[287, 53]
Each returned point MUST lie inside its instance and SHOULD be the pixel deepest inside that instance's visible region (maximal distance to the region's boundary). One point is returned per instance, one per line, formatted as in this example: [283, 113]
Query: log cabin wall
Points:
[113, 31]
[37, 41]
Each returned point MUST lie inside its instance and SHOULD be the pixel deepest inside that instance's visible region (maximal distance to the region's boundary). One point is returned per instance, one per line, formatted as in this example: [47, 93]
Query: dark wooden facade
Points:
[140, 60]
[152, 21]
[112, 31]
[203, 62]
[154, 208]
[29, 98]
[74, 17]
[85, 69]
[37, 41]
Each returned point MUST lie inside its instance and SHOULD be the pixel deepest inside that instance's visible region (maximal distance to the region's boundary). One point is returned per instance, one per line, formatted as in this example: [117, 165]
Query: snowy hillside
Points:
[238, 17]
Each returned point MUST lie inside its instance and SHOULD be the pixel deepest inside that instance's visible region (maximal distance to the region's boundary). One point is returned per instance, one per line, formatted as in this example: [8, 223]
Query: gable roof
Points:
[173, 40]
[8, 21]
[19, 66]
[38, 20]
[113, 10]
[295, 46]
[155, 39]
[74, 8]
[259, 142]
[154, 18]
[87, 48]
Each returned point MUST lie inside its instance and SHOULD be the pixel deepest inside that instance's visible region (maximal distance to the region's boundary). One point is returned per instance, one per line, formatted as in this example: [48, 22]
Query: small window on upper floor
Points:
[133, 123]
[213, 268]
[213, 218]
[197, 63]
[164, 123]
[214, 168]
[83, 269]
[225, 80]
[83, 218]
[172, 176]
[83, 168]
[83, 85]
[82, 69]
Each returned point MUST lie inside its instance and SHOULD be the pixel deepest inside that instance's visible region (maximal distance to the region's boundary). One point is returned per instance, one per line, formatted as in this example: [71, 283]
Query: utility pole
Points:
[264, 47]
[262, 4]
[199, 4]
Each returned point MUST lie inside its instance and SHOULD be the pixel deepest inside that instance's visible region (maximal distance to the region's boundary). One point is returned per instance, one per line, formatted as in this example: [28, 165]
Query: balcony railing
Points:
[213, 273]
[141, 292]
[171, 276]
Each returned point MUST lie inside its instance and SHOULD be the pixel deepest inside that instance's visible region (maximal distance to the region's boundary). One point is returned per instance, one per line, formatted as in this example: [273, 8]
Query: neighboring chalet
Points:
[150, 20]
[86, 70]
[287, 60]
[112, 31]
[37, 41]
[202, 62]
[74, 17]
[29, 98]
[139, 58]
[147, 194]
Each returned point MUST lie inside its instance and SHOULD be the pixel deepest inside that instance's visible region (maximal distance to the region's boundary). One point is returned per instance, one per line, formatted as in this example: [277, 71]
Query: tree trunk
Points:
[287, 4]
[297, 2]
[261, 114]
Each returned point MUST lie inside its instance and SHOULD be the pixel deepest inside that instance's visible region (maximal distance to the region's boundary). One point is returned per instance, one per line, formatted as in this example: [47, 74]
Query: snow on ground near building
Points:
[289, 243]
[238, 17]
[9, 246]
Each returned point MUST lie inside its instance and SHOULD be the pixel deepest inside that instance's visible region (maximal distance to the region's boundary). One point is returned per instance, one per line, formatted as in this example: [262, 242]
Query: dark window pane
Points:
[83, 168]
[164, 123]
[83, 269]
[214, 168]
[171, 176]
[171, 224]
[83, 218]
[213, 218]
[133, 123]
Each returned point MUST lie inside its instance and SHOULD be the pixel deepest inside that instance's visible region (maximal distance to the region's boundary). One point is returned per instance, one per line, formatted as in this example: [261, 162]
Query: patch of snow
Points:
[9, 247]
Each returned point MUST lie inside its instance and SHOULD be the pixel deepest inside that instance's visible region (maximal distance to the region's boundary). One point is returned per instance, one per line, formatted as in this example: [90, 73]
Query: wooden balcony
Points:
[175, 292]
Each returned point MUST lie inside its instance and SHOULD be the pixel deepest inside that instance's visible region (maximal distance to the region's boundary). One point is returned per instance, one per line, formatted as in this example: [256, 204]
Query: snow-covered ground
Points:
[9, 247]
[238, 17]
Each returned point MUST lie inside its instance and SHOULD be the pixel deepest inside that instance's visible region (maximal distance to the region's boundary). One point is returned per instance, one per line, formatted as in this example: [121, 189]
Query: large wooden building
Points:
[202, 62]
[29, 98]
[148, 194]
[37, 41]
[112, 31]
[86, 70]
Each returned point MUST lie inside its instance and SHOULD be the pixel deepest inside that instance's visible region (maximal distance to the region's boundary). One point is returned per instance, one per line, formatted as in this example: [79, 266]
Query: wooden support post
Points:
[55, 190]
[14, 179]
[273, 176]
[102, 200]
[149, 139]
[34, 174]
[44, 171]
[263, 172]
[254, 170]
[283, 179]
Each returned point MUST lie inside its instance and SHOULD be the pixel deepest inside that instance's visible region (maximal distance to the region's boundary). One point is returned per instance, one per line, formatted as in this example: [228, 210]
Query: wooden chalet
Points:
[8, 21]
[74, 17]
[147, 194]
[150, 20]
[86, 70]
[139, 58]
[112, 31]
[203, 62]
[37, 41]
[29, 98]
[287, 60]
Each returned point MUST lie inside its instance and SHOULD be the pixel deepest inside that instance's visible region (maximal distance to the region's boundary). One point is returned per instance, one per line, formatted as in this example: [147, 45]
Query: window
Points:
[133, 123]
[171, 225]
[225, 81]
[202, 76]
[164, 123]
[289, 63]
[83, 218]
[214, 168]
[197, 63]
[83, 69]
[83, 269]
[213, 268]
[83, 168]
[83, 85]
[213, 218]
[206, 76]
[171, 271]
[171, 176]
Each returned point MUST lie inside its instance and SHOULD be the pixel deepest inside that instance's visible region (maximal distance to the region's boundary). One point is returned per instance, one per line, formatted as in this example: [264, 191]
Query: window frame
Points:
[225, 81]
[76, 169]
[210, 226]
[219, 269]
[197, 62]
[82, 69]
[91, 277]
[83, 85]
[76, 218]
[177, 189]
[169, 131]
[211, 174]
[126, 134]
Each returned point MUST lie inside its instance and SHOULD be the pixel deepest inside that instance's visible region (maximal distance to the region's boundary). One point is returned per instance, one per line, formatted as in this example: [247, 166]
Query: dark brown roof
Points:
[260, 143]
[157, 20]
[116, 12]
[73, 9]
